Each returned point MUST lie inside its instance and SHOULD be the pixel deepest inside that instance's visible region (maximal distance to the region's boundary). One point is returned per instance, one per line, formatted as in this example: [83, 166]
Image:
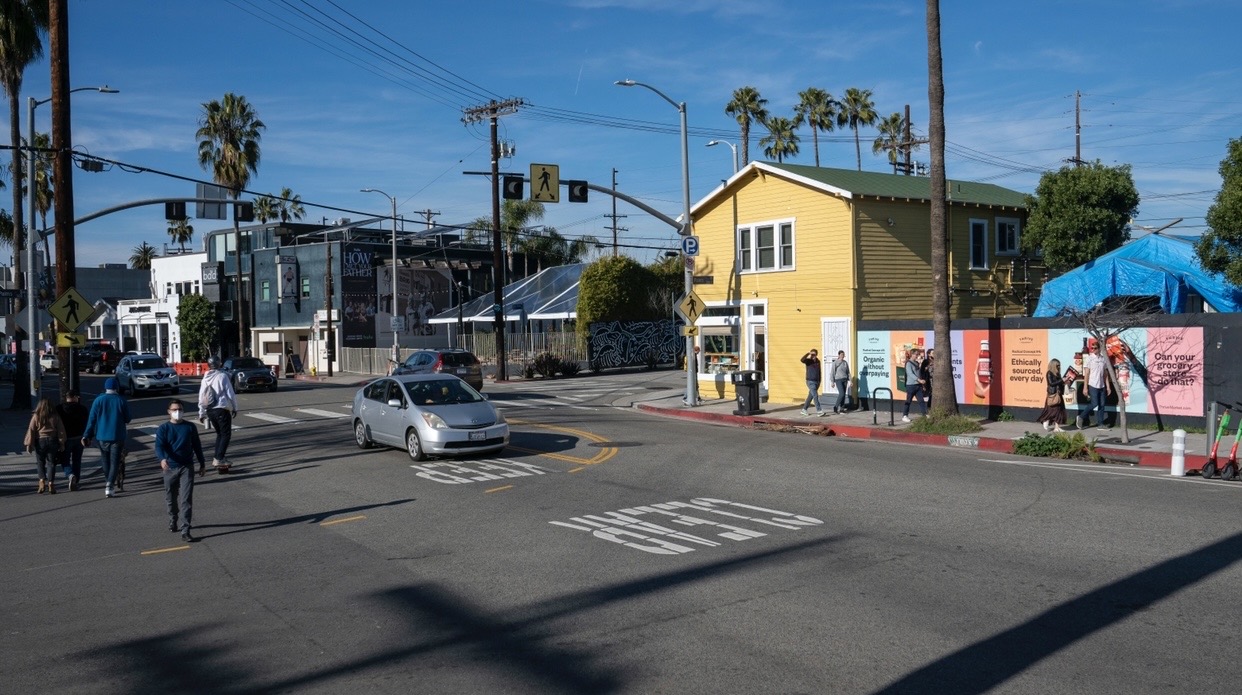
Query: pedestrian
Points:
[925, 372]
[1098, 389]
[217, 404]
[177, 446]
[841, 377]
[813, 377]
[107, 423]
[1053, 415]
[45, 438]
[73, 416]
[914, 383]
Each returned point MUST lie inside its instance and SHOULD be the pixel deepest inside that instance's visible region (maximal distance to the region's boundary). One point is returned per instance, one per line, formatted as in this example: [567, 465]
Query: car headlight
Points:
[434, 421]
[500, 417]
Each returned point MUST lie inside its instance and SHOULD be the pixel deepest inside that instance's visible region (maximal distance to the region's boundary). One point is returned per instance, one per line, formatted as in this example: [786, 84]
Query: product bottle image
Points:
[1123, 380]
[983, 370]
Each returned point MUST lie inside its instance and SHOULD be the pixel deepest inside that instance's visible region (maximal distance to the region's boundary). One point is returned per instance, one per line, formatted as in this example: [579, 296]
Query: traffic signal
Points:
[577, 191]
[512, 188]
[243, 212]
[174, 211]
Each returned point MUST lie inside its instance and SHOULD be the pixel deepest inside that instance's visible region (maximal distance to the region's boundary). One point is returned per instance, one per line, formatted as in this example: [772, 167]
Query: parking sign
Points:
[690, 245]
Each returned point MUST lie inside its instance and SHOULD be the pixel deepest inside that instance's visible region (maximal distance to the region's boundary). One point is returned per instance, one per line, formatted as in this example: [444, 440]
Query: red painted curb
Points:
[1145, 459]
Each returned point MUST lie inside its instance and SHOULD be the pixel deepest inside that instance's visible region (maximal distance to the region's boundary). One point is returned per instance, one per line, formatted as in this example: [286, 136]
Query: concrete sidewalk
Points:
[1147, 448]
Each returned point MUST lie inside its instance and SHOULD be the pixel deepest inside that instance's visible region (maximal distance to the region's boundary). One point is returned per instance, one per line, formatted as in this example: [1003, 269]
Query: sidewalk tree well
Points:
[1220, 249]
[196, 319]
[1079, 213]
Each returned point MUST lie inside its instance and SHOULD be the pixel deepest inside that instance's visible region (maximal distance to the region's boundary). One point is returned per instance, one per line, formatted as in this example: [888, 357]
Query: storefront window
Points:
[720, 350]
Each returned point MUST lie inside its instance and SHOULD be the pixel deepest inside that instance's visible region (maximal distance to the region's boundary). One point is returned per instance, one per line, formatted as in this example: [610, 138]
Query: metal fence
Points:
[520, 348]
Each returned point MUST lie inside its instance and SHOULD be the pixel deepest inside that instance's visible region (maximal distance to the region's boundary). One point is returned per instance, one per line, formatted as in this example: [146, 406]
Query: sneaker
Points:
[119, 487]
[1047, 426]
[1078, 422]
[905, 418]
[1102, 428]
[804, 413]
[107, 491]
[73, 483]
[185, 536]
[820, 413]
[172, 525]
[1057, 429]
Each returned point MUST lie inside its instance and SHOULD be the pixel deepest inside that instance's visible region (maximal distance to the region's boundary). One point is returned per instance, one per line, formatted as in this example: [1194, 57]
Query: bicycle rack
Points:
[874, 413]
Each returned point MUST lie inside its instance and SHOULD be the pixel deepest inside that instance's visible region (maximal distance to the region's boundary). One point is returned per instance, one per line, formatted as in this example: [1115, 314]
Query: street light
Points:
[30, 254]
[687, 228]
[733, 147]
[396, 349]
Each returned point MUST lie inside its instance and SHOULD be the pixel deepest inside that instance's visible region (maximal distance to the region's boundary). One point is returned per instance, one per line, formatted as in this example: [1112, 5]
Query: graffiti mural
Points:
[625, 343]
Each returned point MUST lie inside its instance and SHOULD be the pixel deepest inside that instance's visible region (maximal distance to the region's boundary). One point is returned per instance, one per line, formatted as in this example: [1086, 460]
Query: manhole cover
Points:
[617, 445]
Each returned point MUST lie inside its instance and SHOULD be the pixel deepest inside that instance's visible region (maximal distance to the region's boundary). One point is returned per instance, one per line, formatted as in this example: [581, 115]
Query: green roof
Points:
[870, 183]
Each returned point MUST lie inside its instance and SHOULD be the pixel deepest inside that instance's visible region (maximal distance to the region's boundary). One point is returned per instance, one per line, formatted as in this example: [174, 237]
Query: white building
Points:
[150, 325]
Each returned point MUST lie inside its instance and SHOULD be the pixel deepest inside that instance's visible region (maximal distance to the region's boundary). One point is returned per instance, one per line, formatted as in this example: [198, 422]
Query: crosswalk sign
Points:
[545, 183]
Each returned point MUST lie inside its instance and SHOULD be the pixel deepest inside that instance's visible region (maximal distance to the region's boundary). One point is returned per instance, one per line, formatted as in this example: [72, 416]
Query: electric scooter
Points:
[1230, 471]
[1209, 468]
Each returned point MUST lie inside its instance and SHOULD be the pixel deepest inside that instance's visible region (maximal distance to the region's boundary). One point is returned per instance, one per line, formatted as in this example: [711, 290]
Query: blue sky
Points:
[1161, 90]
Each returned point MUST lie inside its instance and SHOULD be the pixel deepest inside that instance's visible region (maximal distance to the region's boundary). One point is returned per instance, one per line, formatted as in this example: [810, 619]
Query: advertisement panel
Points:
[874, 368]
[358, 296]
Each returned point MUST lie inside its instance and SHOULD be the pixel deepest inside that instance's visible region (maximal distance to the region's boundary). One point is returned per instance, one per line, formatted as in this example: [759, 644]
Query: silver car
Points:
[427, 414]
[146, 374]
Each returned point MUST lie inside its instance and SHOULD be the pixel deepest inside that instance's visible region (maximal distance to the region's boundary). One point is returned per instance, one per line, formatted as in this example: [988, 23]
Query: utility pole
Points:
[614, 215]
[62, 142]
[1076, 160]
[329, 338]
[907, 145]
[491, 112]
[428, 214]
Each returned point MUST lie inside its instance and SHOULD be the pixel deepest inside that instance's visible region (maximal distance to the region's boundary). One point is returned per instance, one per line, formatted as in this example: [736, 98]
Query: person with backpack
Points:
[217, 404]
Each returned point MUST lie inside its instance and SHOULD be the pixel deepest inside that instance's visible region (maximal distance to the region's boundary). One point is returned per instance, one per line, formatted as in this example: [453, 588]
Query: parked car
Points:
[427, 414]
[147, 373]
[249, 374]
[49, 363]
[97, 358]
[460, 363]
[8, 367]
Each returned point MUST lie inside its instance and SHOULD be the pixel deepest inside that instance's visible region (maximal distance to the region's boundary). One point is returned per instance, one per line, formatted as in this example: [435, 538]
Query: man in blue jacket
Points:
[177, 446]
[107, 423]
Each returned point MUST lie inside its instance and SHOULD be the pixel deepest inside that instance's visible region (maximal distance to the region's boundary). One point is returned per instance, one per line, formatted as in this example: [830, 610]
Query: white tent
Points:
[549, 294]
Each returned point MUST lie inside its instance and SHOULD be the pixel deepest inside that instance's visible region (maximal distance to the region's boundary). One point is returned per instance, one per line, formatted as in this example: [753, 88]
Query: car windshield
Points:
[441, 392]
[149, 363]
[247, 363]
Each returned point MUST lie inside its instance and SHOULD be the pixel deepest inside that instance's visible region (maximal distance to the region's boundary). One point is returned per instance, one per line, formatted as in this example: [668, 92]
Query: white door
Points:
[837, 334]
[757, 351]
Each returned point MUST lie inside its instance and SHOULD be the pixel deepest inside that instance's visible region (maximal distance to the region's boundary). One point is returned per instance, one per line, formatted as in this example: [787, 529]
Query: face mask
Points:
[176, 415]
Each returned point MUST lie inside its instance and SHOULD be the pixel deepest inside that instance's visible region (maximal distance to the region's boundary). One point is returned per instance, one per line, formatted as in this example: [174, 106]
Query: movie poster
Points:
[357, 296]
[421, 294]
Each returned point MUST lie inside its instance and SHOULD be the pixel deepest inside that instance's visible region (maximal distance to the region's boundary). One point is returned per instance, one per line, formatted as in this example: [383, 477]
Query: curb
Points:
[1144, 459]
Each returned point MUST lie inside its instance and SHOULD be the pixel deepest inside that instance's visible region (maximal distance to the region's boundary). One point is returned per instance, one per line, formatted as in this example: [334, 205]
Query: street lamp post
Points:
[731, 146]
[687, 228]
[396, 348]
[32, 104]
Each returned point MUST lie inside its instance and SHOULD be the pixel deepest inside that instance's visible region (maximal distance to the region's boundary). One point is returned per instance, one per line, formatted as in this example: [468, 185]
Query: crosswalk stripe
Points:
[268, 417]
[321, 413]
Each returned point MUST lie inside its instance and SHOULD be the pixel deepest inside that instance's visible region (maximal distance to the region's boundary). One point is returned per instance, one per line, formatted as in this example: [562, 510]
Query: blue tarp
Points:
[1156, 265]
[549, 294]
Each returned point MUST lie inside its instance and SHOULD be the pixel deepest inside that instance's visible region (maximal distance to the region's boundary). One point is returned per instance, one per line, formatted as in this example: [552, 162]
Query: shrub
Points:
[652, 358]
[529, 372]
[1061, 446]
[1005, 416]
[547, 364]
[570, 367]
[596, 367]
[945, 424]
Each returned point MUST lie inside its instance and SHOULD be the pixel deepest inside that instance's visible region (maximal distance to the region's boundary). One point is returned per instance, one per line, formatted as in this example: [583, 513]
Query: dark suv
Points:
[97, 358]
[460, 363]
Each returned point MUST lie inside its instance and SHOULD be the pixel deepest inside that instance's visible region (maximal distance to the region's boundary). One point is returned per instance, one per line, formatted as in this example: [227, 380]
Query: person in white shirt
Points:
[217, 404]
[1098, 389]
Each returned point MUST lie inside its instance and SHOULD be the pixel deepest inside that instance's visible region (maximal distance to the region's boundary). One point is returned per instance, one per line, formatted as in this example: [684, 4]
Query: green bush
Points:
[546, 364]
[1005, 416]
[652, 358]
[570, 367]
[1060, 446]
[529, 372]
[596, 367]
[945, 424]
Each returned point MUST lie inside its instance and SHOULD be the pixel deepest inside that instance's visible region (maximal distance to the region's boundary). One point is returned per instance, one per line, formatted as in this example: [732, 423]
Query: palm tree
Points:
[228, 135]
[551, 248]
[141, 258]
[43, 175]
[516, 215]
[892, 133]
[289, 205]
[265, 209]
[181, 232]
[781, 140]
[818, 110]
[856, 110]
[943, 400]
[747, 107]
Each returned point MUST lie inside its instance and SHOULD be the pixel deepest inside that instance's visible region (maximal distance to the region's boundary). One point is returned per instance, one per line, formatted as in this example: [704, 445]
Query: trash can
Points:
[746, 386]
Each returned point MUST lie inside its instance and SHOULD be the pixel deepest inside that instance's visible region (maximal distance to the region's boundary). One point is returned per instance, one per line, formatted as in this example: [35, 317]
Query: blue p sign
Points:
[690, 245]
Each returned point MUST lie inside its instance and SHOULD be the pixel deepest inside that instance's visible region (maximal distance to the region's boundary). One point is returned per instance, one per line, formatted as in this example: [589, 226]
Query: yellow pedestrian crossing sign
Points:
[690, 307]
[545, 183]
[71, 309]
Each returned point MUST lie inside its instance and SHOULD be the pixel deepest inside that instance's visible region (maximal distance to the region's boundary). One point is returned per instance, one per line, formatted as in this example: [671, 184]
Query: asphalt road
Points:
[615, 552]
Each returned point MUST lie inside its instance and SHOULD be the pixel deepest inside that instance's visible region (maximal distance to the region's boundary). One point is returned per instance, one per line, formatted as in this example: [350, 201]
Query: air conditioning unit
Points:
[342, 221]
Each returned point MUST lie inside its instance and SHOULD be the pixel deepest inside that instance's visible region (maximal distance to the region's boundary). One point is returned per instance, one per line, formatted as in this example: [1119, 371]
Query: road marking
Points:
[604, 454]
[575, 470]
[268, 417]
[497, 489]
[164, 550]
[321, 413]
[1103, 469]
[360, 517]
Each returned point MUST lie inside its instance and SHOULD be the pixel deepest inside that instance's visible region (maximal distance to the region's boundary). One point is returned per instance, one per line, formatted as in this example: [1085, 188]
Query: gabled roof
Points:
[849, 183]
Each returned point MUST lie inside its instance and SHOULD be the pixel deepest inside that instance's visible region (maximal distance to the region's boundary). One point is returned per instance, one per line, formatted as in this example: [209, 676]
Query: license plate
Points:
[478, 436]
[463, 371]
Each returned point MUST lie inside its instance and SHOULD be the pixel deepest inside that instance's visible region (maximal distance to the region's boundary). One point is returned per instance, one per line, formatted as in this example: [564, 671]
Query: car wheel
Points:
[96, 368]
[414, 446]
[360, 435]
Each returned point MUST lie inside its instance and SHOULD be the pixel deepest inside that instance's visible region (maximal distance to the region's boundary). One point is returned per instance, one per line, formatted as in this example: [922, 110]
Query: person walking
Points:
[814, 375]
[107, 423]
[914, 383]
[45, 438]
[217, 404]
[840, 371]
[925, 372]
[73, 416]
[1098, 390]
[1053, 415]
[177, 446]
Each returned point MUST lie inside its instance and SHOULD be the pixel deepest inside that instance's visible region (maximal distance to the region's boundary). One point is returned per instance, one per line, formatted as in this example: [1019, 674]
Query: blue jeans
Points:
[1096, 397]
[843, 387]
[71, 457]
[812, 394]
[912, 391]
[111, 453]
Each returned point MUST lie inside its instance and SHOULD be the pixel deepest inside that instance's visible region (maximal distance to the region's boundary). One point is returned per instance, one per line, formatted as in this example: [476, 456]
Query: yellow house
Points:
[792, 257]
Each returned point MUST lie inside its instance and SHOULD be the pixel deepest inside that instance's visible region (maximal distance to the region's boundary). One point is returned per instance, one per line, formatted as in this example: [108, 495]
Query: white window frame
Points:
[784, 251]
[1005, 249]
[978, 238]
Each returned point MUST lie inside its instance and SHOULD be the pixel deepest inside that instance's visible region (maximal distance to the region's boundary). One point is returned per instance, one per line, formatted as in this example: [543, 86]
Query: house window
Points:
[305, 287]
[978, 245]
[768, 246]
[1008, 239]
[266, 291]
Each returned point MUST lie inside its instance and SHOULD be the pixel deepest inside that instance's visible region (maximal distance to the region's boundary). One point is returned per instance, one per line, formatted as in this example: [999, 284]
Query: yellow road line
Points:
[165, 550]
[575, 470]
[497, 489]
[604, 454]
[341, 521]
